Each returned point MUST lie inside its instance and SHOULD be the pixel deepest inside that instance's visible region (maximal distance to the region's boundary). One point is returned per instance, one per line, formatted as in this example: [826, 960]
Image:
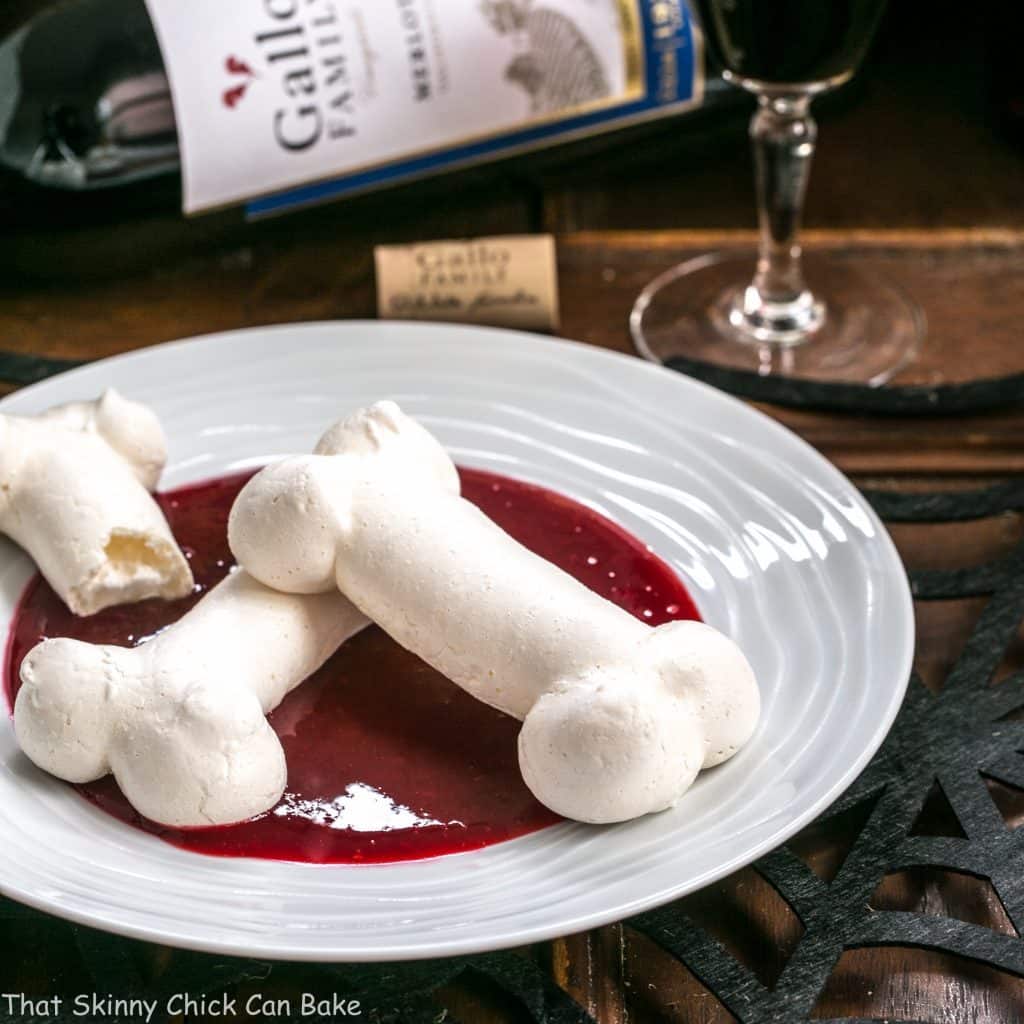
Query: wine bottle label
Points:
[284, 103]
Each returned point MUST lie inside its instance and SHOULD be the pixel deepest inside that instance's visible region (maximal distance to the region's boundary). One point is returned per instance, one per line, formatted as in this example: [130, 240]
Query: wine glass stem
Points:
[777, 307]
[783, 133]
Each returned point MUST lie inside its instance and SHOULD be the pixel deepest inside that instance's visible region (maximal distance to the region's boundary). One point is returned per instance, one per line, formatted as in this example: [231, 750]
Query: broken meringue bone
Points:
[619, 717]
[74, 493]
[180, 720]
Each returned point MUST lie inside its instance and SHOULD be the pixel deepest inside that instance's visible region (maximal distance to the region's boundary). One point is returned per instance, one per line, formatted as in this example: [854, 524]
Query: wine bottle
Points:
[278, 104]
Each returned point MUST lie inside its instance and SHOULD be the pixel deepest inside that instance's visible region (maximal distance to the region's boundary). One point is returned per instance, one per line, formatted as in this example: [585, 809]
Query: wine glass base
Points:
[870, 330]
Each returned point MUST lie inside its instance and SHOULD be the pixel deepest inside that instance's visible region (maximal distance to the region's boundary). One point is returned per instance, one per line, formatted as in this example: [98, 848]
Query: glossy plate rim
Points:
[493, 346]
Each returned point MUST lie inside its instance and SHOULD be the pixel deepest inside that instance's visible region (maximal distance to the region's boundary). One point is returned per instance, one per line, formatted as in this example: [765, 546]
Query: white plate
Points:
[776, 546]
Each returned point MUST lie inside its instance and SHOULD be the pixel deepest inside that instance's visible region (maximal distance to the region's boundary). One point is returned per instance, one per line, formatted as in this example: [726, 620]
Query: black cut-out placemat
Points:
[952, 739]
[19, 368]
[892, 400]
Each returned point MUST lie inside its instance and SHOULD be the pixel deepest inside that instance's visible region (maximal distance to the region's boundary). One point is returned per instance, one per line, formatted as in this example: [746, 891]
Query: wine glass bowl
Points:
[790, 45]
[823, 322]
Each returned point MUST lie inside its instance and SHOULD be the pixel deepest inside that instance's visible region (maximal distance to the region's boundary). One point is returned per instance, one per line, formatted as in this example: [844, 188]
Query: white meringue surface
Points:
[626, 714]
[74, 492]
[776, 546]
[179, 720]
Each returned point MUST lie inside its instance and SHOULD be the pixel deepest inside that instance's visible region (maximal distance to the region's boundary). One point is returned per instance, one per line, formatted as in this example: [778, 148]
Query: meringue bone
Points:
[618, 718]
[180, 720]
[74, 493]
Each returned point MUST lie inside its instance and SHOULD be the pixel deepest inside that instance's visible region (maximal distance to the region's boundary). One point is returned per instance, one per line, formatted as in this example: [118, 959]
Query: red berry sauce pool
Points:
[387, 760]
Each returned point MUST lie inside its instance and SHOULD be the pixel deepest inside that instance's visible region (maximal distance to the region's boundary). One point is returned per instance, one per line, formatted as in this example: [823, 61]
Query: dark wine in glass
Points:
[784, 41]
[833, 324]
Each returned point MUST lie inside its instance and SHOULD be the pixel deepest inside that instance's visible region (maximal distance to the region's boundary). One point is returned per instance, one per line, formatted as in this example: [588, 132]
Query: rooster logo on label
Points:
[559, 69]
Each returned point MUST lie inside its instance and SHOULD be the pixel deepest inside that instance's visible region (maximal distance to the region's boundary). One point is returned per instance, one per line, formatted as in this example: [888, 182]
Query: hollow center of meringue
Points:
[131, 553]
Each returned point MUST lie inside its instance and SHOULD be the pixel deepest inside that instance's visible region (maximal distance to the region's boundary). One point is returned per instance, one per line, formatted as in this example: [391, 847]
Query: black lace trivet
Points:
[19, 368]
[892, 400]
[953, 739]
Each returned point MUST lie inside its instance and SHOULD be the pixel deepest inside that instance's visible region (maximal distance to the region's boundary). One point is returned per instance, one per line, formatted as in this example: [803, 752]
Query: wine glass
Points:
[815, 319]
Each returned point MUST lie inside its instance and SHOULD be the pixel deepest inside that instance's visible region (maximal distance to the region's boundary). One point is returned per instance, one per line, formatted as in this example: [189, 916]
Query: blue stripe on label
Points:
[677, 46]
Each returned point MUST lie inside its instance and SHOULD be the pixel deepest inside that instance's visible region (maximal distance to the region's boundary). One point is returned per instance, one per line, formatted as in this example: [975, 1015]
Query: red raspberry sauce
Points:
[387, 760]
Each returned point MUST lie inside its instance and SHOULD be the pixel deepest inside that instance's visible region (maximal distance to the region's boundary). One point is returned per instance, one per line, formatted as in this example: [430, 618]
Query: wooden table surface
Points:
[911, 182]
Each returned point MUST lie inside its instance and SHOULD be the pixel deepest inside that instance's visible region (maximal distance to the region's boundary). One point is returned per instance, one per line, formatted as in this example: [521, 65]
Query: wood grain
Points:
[969, 286]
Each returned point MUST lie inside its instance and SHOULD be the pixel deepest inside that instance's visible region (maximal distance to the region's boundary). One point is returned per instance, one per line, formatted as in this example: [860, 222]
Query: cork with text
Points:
[506, 281]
